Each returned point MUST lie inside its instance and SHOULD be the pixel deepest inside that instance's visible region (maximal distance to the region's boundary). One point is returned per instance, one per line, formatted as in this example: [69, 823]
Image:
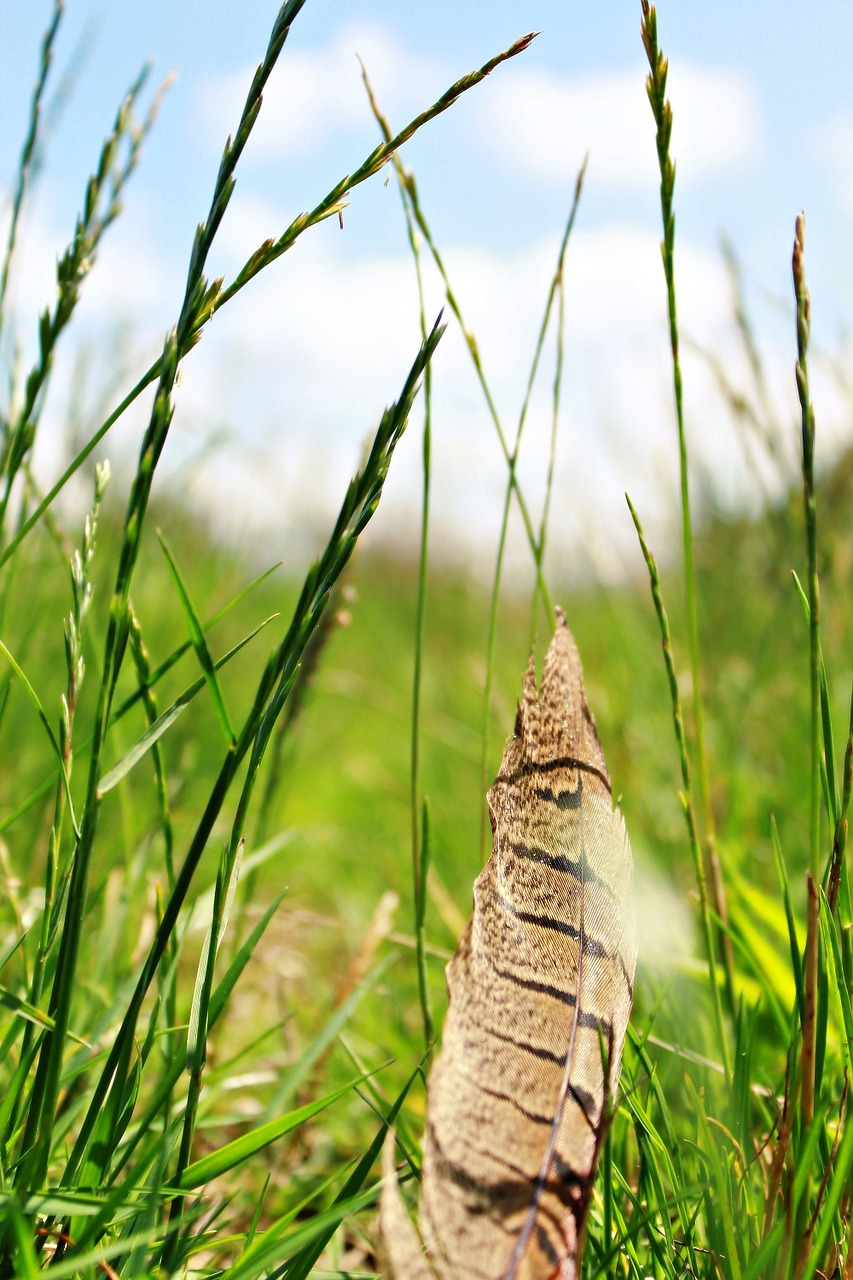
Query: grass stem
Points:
[687, 793]
[803, 300]
[662, 112]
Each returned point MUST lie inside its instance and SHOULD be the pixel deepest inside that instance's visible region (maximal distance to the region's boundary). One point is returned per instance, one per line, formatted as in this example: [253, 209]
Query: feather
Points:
[400, 1242]
[540, 993]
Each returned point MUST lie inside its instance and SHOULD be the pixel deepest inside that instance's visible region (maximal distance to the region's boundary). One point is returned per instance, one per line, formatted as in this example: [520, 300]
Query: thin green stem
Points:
[687, 793]
[419, 830]
[417, 805]
[662, 112]
[419, 812]
[537, 544]
[410, 186]
[101, 205]
[838, 871]
[196, 1050]
[803, 301]
[81, 589]
[30, 149]
[556, 390]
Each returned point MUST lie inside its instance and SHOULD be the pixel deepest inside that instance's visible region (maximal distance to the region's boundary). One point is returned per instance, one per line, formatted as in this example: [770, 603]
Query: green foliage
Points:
[205, 964]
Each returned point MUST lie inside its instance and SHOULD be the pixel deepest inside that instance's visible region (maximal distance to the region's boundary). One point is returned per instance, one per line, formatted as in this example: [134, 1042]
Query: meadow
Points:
[241, 817]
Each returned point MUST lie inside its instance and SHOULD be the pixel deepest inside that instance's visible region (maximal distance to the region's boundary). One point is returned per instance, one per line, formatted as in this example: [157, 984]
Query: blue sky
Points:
[292, 378]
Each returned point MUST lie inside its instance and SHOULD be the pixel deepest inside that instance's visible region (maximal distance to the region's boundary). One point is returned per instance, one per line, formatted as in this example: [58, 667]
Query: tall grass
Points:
[771, 1188]
[149, 1075]
[99, 1124]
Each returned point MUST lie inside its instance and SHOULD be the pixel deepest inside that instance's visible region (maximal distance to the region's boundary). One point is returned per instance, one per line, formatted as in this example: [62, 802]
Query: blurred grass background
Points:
[342, 804]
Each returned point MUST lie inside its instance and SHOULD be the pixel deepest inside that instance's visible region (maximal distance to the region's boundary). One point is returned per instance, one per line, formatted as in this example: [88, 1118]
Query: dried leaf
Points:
[540, 994]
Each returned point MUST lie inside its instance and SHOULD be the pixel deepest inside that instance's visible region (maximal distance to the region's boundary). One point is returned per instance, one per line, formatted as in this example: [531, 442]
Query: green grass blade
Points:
[218, 1002]
[655, 1159]
[99, 1257]
[762, 960]
[200, 1009]
[332, 1027]
[556, 390]
[302, 1264]
[142, 666]
[424, 854]
[759, 1265]
[197, 1032]
[241, 1149]
[277, 1245]
[417, 805]
[801, 294]
[24, 1009]
[24, 1258]
[54, 1203]
[839, 878]
[662, 112]
[687, 794]
[11, 949]
[793, 940]
[720, 1178]
[258, 1210]
[29, 153]
[176, 654]
[199, 643]
[155, 676]
[165, 721]
[838, 1186]
[829, 769]
[822, 1011]
[512, 487]
[222, 992]
[835, 979]
[669, 1148]
[57, 751]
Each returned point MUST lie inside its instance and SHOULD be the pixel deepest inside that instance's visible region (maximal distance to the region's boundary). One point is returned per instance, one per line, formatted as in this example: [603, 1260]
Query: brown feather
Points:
[540, 994]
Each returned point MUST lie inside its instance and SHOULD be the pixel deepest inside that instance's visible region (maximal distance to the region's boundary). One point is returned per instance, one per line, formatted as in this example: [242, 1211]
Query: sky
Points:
[277, 401]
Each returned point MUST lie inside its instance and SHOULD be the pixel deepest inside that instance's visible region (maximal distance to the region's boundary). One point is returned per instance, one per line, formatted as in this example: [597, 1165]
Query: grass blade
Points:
[29, 154]
[803, 301]
[301, 1265]
[199, 642]
[155, 731]
[236, 1152]
[55, 747]
[662, 113]
[687, 794]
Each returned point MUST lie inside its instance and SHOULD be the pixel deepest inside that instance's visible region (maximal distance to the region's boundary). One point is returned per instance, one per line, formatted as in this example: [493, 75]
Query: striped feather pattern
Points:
[540, 994]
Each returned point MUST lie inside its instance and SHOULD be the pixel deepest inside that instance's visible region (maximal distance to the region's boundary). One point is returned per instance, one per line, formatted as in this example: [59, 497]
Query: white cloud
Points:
[32, 282]
[302, 370]
[127, 281]
[835, 145]
[545, 124]
[318, 92]
[295, 374]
